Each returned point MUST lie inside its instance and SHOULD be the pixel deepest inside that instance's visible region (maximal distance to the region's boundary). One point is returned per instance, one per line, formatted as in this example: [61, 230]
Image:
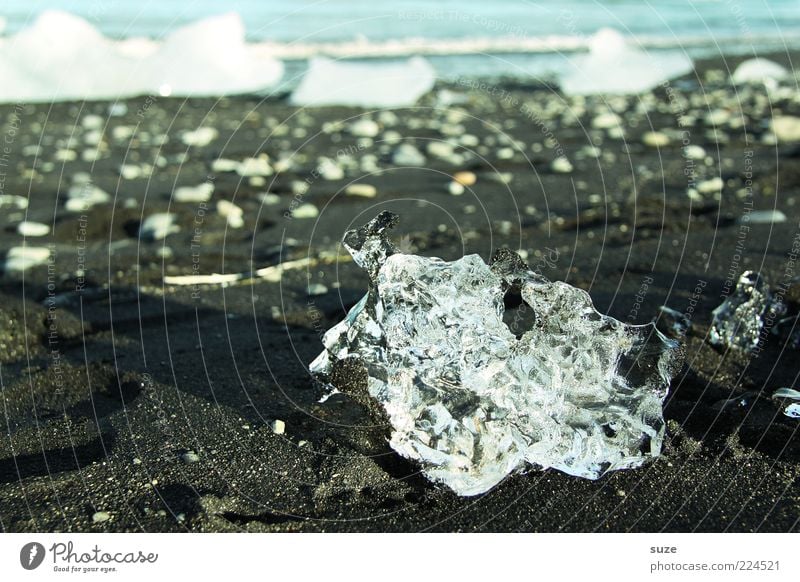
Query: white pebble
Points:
[315, 289]
[23, 258]
[711, 186]
[254, 167]
[455, 188]
[101, 517]
[222, 165]
[561, 165]
[305, 211]
[200, 137]
[277, 426]
[234, 214]
[364, 127]
[361, 190]
[158, 226]
[694, 152]
[200, 193]
[655, 139]
[28, 228]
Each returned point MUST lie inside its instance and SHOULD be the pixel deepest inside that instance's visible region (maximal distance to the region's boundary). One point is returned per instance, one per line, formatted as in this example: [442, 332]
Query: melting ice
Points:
[613, 66]
[62, 57]
[469, 401]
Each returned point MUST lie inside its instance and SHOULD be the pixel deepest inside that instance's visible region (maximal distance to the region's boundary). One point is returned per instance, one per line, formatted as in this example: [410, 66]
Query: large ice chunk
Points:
[329, 82]
[469, 400]
[614, 67]
[63, 57]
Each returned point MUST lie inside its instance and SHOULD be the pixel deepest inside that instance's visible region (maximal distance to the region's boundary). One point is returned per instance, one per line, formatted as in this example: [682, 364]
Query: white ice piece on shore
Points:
[614, 66]
[63, 57]
[330, 82]
[469, 400]
[759, 70]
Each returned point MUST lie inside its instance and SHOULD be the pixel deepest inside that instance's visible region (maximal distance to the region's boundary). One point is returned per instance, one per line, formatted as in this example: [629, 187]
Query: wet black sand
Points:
[104, 394]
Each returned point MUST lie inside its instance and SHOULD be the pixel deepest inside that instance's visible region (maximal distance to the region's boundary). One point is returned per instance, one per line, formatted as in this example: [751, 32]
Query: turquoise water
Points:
[288, 21]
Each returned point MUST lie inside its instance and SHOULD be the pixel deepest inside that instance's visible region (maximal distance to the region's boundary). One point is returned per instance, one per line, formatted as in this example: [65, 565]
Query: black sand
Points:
[105, 394]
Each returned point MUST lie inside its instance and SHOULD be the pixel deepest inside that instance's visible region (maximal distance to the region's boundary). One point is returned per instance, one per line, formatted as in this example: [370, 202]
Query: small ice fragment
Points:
[759, 71]
[738, 321]
[23, 258]
[672, 323]
[329, 82]
[792, 411]
[787, 393]
[428, 351]
[33, 229]
[762, 217]
[158, 226]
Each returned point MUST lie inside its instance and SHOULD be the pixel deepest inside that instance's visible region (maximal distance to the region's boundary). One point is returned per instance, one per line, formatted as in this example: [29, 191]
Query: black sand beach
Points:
[129, 404]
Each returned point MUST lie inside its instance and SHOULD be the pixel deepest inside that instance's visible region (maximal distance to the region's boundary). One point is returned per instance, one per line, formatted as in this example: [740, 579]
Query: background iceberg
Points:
[614, 67]
[329, 82]
[64, 57]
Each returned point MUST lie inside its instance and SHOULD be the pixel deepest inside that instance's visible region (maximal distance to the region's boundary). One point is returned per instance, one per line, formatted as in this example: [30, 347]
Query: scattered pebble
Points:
[655, 139]
[254, 167]
[505, 154]
[606, 120]
[407, 155]
[130, 172]
[330, 170]
[269, 199]
[28, 228]
[786, 128]
[158, 226]
[233, 213]
[200, 137]
[561, 165]
[711, 186]
[223, 165]
[306, 210]
[190, 457]
[315, 289]
[83, 195]
[13, 201]
[465, 178]
[364, 127]
[278, 426]
[200, 193]
[101, 517]
[455, 188]
[361, 190]
[23, 258]
[694, 152]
